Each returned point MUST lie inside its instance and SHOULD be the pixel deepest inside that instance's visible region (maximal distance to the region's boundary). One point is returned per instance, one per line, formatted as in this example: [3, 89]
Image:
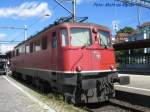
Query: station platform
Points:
[139, 84]
[14, 99]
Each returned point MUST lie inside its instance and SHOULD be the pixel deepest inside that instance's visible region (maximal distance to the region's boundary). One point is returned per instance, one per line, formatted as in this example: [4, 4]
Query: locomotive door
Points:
[55, 47]
[59, 41]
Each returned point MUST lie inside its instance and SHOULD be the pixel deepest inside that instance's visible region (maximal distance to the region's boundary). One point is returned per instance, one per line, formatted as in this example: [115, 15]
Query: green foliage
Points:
[126, 29]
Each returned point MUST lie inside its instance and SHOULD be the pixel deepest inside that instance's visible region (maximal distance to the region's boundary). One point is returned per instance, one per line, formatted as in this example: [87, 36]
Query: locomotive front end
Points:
[90, 57]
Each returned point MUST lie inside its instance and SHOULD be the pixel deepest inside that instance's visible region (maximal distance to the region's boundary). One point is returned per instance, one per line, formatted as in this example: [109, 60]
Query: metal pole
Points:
[25, 32]
[0, 49]
[138, 15]
[74, 10]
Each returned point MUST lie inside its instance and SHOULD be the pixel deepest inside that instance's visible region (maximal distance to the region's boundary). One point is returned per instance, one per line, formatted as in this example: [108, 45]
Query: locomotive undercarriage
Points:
[92, 88]
[79, 87]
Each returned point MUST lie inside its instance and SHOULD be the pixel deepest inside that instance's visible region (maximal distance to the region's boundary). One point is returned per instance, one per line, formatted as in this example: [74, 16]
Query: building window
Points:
[44, 43]
[37, 46]
[148, 34]
[64, 37]
[54, 40]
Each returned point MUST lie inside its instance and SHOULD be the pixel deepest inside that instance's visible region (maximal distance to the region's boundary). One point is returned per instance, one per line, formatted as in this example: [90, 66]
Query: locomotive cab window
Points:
[37, 46]
[31, 47]
[64, 37]
[17, 52]
[54, 40]
[80, 37]
[104, 38]
[44, 43]
[27, 49]
[13, 53]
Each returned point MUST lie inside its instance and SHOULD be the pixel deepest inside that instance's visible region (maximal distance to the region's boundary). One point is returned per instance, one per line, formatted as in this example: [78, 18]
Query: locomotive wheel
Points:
[36, 83]
[29, 80]
[67, 99]
[45, 86]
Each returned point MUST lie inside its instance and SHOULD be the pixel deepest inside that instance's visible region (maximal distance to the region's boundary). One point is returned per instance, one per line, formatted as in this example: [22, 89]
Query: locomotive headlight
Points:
[78, 69]
[112, 67]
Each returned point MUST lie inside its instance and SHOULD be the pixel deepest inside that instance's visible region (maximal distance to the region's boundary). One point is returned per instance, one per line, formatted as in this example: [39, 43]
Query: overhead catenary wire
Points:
[62, 1]
[31, 25]
[25, 32]
[138, 3]
[73, 12]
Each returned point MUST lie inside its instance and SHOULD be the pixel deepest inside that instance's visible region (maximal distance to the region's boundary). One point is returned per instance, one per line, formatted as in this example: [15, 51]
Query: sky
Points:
[17, 13]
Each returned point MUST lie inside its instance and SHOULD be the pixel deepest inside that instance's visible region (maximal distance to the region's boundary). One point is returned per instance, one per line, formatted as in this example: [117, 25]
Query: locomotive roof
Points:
[57, 25]
[89, 24]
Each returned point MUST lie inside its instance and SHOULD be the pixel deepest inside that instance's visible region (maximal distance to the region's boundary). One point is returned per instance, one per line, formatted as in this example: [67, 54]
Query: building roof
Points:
[121, 36]
[145, 24]
[132, 45]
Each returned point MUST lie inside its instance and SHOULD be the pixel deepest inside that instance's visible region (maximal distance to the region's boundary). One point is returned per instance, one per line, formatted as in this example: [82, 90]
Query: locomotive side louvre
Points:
[76, 62]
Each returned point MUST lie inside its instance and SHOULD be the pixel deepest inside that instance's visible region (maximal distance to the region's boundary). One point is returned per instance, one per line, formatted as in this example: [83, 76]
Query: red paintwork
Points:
[68, 58]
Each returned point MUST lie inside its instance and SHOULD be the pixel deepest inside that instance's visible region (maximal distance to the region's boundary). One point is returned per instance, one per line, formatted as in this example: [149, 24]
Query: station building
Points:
[133, 50]
[142, 33]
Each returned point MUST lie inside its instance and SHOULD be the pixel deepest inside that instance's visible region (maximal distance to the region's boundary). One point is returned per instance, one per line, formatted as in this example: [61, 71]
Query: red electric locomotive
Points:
[75, 59]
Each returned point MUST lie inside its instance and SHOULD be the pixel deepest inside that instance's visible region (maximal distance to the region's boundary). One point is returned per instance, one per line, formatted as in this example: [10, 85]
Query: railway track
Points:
[127, 106]
[124, 102]
[115, 106]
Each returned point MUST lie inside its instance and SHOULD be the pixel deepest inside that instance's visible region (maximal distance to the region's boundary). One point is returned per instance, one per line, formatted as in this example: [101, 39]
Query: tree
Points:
[127, 30]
